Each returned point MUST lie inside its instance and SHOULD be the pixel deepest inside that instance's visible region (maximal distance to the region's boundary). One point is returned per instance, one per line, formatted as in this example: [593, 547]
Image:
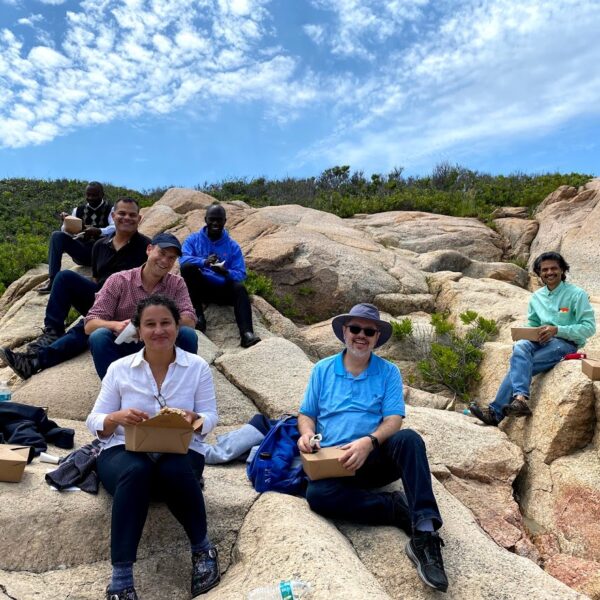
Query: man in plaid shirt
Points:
[117, 300]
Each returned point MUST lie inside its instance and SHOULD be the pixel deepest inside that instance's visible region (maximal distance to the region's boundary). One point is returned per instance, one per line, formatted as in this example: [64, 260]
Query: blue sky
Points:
[148, 93]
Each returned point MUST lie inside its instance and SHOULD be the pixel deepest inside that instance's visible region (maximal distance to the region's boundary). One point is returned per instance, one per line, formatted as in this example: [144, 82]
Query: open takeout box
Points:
[161, 433]
[324, 463]
[525, 333]
[73, 225]
[13, 460]
[591, 367]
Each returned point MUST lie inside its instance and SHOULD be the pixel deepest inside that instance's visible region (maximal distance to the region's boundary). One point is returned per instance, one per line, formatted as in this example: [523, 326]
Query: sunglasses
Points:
[368, 331]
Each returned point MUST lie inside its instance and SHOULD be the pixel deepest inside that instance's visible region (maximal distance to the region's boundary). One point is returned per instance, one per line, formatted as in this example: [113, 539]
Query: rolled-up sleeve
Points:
[205, 402]
[182, 299]
[107, 300]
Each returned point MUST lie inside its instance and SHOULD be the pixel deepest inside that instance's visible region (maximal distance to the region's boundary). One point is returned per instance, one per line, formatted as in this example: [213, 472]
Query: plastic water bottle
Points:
[285, 590]
[467, 412]
[5, 393]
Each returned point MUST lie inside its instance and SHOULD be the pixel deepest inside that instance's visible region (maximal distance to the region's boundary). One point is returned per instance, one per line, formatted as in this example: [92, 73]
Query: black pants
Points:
[401, 456]
[231, 293]
[133, 479]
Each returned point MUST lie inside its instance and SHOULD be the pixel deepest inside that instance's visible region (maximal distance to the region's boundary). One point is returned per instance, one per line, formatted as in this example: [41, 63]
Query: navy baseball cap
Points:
[166, 240]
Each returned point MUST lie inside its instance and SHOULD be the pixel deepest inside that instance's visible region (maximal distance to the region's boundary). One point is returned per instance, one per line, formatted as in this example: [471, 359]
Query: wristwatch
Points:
[374, 441]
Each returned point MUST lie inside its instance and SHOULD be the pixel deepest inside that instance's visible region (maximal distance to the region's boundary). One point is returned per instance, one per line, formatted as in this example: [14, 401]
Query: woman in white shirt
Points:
[135, 388]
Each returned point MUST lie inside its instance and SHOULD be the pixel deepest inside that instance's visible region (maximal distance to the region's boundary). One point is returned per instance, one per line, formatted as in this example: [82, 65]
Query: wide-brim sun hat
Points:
[363, 311]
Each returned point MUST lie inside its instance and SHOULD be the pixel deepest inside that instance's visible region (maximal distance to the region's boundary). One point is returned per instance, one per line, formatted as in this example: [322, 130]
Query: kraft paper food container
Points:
[525, 333]
[161, 433]
[73, 224]
[591, 367]
[324, 463]
[12, 462]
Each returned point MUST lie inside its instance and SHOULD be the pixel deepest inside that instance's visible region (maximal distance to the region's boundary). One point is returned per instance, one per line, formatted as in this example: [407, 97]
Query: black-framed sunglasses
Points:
[368, 331]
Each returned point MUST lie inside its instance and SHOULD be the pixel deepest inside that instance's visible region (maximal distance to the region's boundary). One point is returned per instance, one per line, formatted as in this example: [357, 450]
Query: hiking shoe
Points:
[249, 339]
[205, 571]
[401, 512]
[126, 594]
[424, 549]
[48, 336]
[24, 365]
[46, 289]
[517, 408]
[484, 414]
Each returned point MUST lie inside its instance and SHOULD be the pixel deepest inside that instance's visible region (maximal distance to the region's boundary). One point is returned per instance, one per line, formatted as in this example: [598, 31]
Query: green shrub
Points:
[402, 329]
[25, 251]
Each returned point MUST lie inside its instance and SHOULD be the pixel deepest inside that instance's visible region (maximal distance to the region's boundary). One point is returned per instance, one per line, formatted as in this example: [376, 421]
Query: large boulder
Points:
[424, 232]
[273, 373]
[183, 200]
[157, 218]
[21, 286]
[569, 225]
[519, 234]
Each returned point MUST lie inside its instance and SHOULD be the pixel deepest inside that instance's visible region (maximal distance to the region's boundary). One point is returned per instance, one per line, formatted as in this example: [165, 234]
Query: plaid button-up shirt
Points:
[119, 296]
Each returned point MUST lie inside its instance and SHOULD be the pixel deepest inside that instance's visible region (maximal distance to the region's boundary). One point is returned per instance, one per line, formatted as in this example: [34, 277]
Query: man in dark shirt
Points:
[126, 249]
[97, 220]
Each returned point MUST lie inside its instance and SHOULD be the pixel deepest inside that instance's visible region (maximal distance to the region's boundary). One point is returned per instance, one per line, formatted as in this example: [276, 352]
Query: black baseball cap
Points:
[166, 240]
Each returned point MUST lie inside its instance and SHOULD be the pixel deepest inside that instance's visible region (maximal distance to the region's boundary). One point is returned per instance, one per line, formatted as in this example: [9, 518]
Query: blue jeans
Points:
[401, 456]
[528, 359]
[71, 344]
[69, 289]
[105, 351]
[133, 479]
[60, 243]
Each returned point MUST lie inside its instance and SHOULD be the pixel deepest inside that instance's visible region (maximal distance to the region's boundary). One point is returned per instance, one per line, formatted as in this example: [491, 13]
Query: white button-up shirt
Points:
[129, 383]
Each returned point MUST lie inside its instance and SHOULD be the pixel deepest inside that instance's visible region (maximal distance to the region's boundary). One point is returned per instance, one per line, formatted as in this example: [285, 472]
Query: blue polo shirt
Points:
[346, 407]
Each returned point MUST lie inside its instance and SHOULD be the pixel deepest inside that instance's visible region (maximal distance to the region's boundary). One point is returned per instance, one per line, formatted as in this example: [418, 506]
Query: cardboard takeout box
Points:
[525, 333]
[591, 368]
[324, 463]
[161, 433]
[73, 224]
[12, 462]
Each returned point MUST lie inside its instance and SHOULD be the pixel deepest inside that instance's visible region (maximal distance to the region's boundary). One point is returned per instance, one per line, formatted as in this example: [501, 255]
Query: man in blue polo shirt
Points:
[566, 320]
[354, 400]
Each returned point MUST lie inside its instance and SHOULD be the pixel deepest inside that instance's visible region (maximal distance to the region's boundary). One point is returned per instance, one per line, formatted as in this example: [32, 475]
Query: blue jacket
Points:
[198, 247]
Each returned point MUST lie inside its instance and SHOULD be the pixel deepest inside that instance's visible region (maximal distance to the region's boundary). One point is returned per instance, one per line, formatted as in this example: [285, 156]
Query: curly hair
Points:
[555, 256]
[155, 300]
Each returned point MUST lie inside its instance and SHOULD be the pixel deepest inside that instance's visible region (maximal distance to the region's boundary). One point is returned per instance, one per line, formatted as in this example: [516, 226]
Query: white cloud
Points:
[52, 2]
[31, 20]
[126, 58]
[489, 71]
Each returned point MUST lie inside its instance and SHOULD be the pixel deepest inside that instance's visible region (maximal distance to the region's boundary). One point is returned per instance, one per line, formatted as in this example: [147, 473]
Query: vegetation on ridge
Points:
[29, 208]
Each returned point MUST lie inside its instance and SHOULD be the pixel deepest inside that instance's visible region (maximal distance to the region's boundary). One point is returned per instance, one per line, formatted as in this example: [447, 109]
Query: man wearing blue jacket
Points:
[213, 268]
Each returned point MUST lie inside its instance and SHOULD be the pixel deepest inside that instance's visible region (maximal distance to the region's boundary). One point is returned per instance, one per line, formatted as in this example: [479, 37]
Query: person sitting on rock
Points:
[135, 388]
[354, 400]
[115, 303]
[125, 249]
[213, 268]
[97, 220]
[566, 319]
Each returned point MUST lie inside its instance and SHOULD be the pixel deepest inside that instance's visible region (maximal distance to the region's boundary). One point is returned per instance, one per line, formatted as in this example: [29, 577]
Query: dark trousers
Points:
[71, 344]
[231, 293]
[60, 243]
[402, 456]
[69, 289]
[134, 479]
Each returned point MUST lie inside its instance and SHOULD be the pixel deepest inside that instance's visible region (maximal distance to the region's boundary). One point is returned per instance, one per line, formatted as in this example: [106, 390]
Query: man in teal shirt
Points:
[566, 320]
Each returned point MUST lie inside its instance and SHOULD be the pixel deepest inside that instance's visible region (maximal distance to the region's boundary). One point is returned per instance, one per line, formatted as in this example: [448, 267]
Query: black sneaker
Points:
[424, 549]
[205, 571]
[484, 414]
[249, 339]
[517, 408]
[24, 365]
[126, 594]
[401, 512]
[48, 336]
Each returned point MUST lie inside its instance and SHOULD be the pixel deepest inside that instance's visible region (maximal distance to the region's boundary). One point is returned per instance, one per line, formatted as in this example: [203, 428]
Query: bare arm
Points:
[188, 321]
[115, 326]
[306, 428]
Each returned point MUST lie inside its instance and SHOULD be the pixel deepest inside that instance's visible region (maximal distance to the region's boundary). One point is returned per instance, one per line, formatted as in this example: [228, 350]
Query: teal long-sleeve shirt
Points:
[566, 307]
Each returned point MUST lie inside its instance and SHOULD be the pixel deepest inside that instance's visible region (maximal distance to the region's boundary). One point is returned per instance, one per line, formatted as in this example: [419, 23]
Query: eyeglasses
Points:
[368, 331]
[161, 401]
